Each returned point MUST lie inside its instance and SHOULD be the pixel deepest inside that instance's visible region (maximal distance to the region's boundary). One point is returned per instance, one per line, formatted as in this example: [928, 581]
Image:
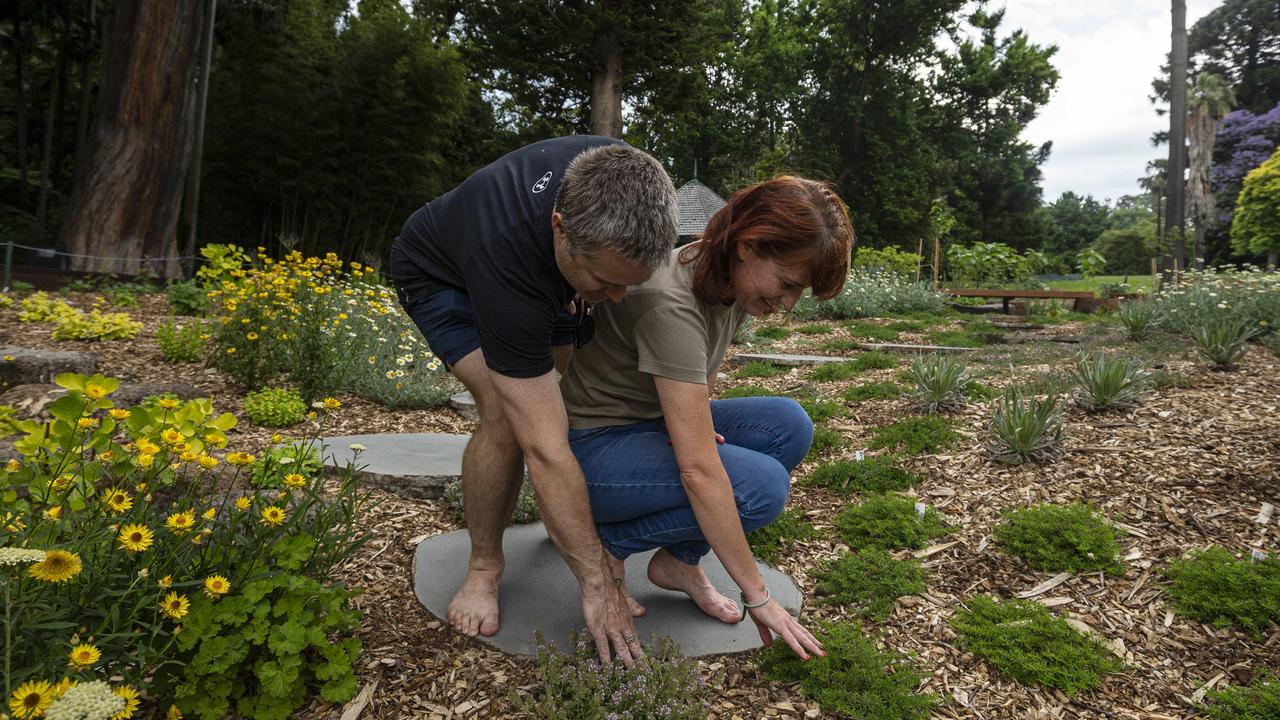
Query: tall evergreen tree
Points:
[1210, 100]
[1175, 213]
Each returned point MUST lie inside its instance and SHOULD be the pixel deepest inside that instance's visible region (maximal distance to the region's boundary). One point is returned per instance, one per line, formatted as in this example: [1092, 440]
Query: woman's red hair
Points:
[791, 219]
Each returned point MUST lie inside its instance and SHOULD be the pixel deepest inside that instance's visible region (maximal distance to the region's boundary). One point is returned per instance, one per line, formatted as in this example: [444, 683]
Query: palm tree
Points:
[1210, 100]
[1175, 223]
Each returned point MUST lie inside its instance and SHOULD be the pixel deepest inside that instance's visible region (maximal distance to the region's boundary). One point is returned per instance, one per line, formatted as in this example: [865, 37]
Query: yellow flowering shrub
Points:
[327, 326]
[121, 563]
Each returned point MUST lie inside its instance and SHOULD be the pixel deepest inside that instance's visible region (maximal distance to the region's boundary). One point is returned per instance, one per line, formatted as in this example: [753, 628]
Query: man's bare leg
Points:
[492, 471]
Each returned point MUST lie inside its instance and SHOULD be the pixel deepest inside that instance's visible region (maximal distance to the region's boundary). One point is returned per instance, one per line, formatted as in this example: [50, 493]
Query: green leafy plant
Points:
[791, 525]
[1139, 318]
[964, 338]
[1260, 700]
[186, 298]
[1214, 587]
[182, 342]
[279, 461]
[872, 474]
[1223, 341]
[40, 307]
[95, 326]
[854, 679]
[824, 439]
[813, 329]
[820, 410]
[915, 435]
[870, 360]
[8, 420]
[772, 332]
[940, 382]
[1061, 538]
[124, 295]
[867, 582]
[890, 522]
[275, 407]
[883, 390]
[748, 391]
[1026, 642]
[1090, 262]
[887, 260]
[526, 505]
[1025, 429]
[662, 684]
[841, 345]
[1108, 381]
[761, 369]
[874, 331]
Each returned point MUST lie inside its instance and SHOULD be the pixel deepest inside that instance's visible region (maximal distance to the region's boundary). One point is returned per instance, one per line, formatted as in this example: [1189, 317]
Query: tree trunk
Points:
[86, 86]
[1175, 222]
[128, 192]
[191, 210]
[50, 125]
[18, 65]
[1203, 131]
[606, 80]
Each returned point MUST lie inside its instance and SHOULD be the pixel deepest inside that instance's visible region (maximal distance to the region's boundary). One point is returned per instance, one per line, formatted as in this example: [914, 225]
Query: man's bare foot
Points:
[669, 573]
[619, 569]
[474, 608]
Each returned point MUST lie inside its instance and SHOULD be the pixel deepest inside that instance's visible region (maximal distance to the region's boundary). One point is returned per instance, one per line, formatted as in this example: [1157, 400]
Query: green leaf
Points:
[68, 408]
[223, 422]
[70, 381]
[292, 551]
[289, 638]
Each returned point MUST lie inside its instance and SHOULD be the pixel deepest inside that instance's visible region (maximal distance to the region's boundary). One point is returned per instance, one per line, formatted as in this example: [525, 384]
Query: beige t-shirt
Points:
[660, 328]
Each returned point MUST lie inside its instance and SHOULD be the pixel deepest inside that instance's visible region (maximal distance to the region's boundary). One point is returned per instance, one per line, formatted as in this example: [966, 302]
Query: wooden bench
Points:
[1007, 295]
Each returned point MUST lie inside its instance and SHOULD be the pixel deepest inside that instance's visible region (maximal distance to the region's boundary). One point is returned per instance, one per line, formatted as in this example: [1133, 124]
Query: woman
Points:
[665, 466]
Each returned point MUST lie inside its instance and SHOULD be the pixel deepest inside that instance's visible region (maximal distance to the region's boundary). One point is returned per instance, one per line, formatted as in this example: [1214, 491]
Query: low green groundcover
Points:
[1260, 700]
[867, 582]
[1058, 538]
[1215, 587]
[889, 521]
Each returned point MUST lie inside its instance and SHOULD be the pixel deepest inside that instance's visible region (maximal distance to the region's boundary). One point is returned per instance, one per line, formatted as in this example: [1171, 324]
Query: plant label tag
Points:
[859, 456]
[920, 508]
[1257, 555]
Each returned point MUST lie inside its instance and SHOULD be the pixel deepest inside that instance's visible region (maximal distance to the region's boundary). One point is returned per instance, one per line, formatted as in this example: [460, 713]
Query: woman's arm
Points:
[688, 416]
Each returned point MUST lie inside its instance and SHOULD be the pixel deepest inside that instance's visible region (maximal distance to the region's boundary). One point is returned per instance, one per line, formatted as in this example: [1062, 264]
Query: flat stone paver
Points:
[412, 465]
[540, 593]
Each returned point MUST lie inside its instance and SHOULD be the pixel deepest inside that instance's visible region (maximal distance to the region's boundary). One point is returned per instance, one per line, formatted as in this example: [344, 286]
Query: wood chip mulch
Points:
[1189, 468]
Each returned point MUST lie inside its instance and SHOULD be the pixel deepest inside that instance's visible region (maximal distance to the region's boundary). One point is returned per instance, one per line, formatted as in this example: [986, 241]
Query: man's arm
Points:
[535, 410]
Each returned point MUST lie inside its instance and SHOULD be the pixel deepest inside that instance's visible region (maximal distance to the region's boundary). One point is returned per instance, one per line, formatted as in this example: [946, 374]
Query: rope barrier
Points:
[46, 251]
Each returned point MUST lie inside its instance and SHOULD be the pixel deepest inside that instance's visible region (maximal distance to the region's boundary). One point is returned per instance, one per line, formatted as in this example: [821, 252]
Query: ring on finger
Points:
[630, 638]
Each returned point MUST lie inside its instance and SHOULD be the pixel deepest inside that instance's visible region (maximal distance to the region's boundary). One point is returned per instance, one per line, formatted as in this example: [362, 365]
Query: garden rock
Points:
[411, 465]
[540, 593]
[30, 366]
[33, 400]
[465, 405]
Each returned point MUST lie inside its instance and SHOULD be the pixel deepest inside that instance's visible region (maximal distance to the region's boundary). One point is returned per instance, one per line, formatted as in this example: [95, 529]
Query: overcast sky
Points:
[1099, 118]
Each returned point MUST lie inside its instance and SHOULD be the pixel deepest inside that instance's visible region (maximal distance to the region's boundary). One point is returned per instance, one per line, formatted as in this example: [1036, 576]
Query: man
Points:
[493, 272]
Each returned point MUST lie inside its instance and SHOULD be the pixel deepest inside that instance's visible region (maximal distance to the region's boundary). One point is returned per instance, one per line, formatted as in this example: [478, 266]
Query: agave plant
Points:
[1025, 428]
[940, 382]
[1138, 318]
[1223, 341]
[1107, 381]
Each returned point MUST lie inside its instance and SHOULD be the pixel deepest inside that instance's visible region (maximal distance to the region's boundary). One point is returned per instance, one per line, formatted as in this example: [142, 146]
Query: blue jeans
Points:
[638, 501]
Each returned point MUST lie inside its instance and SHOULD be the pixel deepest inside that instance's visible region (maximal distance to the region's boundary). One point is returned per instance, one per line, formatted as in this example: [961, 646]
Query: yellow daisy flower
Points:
[331, 403]
[147, 447]
[53, 513]
[118, 413]
[294, 480]
[208, 462]
[87, 423]
[175, 605]
[13, 465]
[136, 538]
[173, 714]
[165, 581]
[31, 699]
[273, 516]
[169, 403]
[277, 438]
[209, 514]
[146, 460]
[106, 455]
[118, 500]
[180, 522]
[63, 686]
[57, 566]
[94, 391]
[239, 458]
[62, 483]
[187, 455]
[243, 502]
[129, 694]
[171, 436]
[251, 336]
[84, 656]
[12, 523]
[215, 586]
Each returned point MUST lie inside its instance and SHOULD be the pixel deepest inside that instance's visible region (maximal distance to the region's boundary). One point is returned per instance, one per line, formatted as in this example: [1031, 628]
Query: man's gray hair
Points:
[619, 197]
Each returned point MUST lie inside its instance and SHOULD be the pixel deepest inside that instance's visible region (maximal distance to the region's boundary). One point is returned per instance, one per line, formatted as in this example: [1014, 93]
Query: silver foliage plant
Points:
[1104, 382]
[1025, 429]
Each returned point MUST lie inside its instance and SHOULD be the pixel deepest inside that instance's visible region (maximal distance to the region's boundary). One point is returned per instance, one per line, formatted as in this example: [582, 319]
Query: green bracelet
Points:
[746, 605]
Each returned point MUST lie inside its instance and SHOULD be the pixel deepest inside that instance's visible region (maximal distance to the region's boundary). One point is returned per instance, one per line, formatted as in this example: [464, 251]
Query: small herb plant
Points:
[939, 383]
[1139, 318]
[824, 439]
[1214, 587]
[888, 521]
[792, 525]
[186, 298]
[813, 329]
[821, 410]
[1106, 382]
[1025, 429]
[280, 461]
[526, 504]
[275, 407]
[1260, 700]
[867, 582]
[872, 391]
[1025, 641]
[873, 474]
[916, 436]
[1223, 341]
[854, 679]
[772, 332]
[748, 391]
[182, 342]
[865, 329]
[761, 369]
[1061, 538]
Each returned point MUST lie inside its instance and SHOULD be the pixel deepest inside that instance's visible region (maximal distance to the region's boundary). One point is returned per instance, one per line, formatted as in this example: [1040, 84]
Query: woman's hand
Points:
[772, 618]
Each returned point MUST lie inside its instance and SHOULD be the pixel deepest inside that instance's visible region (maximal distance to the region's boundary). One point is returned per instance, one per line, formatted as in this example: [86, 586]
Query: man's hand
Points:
[608, 616]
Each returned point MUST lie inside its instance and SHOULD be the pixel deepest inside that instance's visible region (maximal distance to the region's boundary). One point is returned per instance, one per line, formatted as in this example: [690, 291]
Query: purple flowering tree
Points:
[1245, 140]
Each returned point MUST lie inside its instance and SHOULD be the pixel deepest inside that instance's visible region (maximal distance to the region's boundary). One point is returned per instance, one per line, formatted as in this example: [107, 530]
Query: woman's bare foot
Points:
[619, 569]
[669, 573]
[474, 608]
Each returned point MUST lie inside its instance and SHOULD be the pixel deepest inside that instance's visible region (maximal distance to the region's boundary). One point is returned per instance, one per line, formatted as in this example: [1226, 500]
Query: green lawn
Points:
[1137, 283]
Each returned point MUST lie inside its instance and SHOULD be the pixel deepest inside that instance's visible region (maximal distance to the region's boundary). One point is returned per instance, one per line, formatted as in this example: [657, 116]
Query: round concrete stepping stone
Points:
[412, 465]
[540, 593]
[465, 405]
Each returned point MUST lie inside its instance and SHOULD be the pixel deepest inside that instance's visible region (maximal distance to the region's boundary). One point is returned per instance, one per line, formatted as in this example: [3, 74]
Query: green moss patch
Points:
[821, 410]
[864, 329]
[1061, 538]
[1215, 587]
[888, 521]
[748, 391]
[855, 679]
[870, 360]
[872, 391]
[813, 329]
[916, 435]
[824, 439]
[772, 332]
[868, 582]
[1260, 700]
[842, 345]
[1025, 641]
[760, 369]
[792, 525]
[872, 474]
